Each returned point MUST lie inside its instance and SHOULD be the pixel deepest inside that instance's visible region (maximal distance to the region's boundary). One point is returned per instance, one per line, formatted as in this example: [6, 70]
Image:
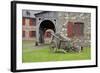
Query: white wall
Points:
[5, 36]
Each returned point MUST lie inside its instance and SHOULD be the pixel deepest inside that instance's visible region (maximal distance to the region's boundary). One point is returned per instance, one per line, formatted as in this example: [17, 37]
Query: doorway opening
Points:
[44, 26]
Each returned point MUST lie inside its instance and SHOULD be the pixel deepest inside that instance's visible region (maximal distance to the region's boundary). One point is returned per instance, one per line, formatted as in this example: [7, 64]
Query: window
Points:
[23, 21]
[23, 33]
[32, 33]
[32, 22]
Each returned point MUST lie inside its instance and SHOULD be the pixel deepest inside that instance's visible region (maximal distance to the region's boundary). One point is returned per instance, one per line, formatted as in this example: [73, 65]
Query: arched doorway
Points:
[45, 25]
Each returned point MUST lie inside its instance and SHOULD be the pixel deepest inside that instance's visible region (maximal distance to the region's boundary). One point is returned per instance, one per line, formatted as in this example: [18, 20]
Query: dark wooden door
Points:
[70, 32]
[79, 29]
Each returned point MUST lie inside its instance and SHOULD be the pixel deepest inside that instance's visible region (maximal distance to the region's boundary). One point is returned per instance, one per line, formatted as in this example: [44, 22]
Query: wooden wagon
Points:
[63, 44]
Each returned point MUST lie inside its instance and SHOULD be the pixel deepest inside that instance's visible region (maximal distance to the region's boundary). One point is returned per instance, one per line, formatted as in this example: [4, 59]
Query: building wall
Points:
[83, 18]
[29, 28]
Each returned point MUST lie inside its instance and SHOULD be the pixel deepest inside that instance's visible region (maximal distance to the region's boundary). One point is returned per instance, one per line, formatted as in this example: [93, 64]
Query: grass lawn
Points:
[32, 53]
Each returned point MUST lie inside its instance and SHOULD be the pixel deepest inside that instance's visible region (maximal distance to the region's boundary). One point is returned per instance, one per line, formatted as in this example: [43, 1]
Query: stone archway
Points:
[45, 25]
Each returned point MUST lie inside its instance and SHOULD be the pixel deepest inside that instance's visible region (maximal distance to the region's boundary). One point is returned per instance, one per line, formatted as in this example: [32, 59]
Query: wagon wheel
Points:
[53, 46]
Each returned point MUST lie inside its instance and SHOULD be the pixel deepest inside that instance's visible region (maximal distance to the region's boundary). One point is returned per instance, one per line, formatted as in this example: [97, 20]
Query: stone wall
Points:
[79, 17]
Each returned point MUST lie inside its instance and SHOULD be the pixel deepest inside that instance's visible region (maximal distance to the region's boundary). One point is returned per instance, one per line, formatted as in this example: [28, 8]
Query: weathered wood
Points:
[59, 42]
[63, 44]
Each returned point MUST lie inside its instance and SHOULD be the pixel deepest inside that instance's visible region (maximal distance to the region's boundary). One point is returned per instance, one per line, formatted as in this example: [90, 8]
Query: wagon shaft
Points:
[59, 42]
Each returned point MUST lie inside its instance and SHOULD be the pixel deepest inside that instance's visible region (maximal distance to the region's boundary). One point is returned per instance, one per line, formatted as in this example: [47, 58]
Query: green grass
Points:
[43, 54]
